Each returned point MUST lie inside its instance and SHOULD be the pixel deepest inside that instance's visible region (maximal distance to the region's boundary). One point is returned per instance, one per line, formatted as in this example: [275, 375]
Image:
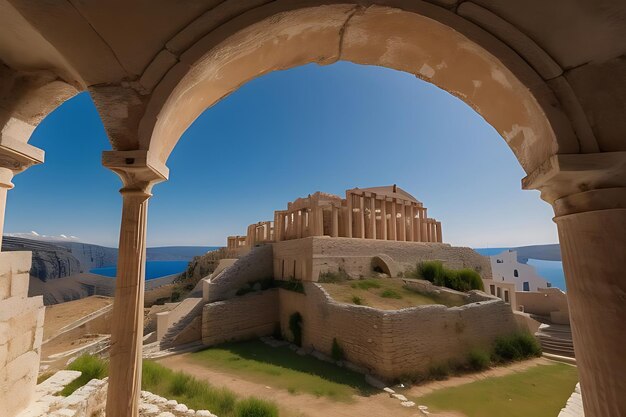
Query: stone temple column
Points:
[424, 222]
[411, 210]
[394, 220]
[373, 217]
[588, 194]
[439, 233]
[335, 222]
[349, 201]
[362, 217]
[138, 173]
[383, 218]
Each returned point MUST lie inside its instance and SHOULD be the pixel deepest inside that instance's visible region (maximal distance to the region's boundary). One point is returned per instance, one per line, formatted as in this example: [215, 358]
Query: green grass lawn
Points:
[283, 368]
[383, 293]
[540, 391]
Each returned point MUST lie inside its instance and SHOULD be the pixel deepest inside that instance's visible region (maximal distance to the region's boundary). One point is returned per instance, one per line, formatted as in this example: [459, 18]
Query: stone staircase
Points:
[556, 339]
[183, 315]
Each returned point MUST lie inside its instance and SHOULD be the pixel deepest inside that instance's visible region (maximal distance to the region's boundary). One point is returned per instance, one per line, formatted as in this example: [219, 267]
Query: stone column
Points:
[394, 221]
[138, 173]
[401, 233]
[588, 194]
[335, 222]
[362, 216]
[383, 218]
[439, 233]
[350, 214]
[424, 221]
[373, 216]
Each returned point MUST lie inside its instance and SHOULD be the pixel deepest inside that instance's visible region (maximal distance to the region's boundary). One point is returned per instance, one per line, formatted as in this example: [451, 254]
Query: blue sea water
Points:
[154, 269]
[552, 271]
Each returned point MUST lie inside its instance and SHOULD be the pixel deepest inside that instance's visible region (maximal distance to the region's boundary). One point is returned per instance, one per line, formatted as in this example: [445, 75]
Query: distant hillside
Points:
[57, 259]
[551, 252]
[543, 252]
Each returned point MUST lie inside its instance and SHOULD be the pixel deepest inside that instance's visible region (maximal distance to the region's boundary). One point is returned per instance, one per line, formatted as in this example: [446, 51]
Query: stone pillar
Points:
[350, 214]
[401, 233]
[362, 216]
[394, 221]
[411, 222]
[592, 233]
[373, 217]
[383, 218]
[138, 173]
[335, 222]
[424, 221]
[439, 233]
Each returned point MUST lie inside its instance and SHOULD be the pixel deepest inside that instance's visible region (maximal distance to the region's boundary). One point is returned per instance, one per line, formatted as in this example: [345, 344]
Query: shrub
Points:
[515, 347]
[430, 270]
[295, 325]
[366, 284]
[357, 300]
[389, 293]
[91, 367]
[333, 277]
[471, 278]
[478, 360]
[253, 407]
[439, 371]
[337, 351]
[291, 285]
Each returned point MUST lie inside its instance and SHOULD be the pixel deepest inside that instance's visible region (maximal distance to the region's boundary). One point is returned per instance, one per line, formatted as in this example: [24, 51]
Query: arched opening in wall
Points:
[451, 62]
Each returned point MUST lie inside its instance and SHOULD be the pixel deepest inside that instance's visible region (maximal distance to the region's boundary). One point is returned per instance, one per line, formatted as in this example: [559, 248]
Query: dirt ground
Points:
[305, 405]
[61, 315]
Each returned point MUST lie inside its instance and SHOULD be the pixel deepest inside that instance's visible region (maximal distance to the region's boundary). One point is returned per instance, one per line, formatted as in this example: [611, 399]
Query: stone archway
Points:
[384, 264]
[152, 72]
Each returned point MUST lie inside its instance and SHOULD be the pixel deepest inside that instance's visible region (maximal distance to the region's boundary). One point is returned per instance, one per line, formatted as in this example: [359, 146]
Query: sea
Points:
[154, 269]
[552, 271]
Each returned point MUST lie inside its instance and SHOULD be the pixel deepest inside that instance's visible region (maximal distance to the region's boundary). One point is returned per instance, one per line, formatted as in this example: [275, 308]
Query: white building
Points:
[506, 268]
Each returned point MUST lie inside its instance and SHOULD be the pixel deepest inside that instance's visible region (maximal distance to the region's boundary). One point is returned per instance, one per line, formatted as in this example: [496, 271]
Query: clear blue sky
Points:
[283, 136]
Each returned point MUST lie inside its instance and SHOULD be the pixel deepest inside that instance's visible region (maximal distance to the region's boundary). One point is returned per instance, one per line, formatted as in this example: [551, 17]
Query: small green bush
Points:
[470, 278]
[366, 284]
[295, 325]
[91, 367]
[253, 407]
[430, 270]
[389, 293]
[478, 360]
[357, 300]
[291, 285]
[337, 351]
[331, 277]
[516, 347]
[439, 371]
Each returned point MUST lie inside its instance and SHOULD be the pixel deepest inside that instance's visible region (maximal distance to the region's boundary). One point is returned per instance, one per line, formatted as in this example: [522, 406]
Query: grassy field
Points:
[283, 368]
[381, 293]
[540, 391]
[178, 386]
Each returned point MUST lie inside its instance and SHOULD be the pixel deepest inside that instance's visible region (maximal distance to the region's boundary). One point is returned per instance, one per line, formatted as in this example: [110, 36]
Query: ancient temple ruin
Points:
[382, 213]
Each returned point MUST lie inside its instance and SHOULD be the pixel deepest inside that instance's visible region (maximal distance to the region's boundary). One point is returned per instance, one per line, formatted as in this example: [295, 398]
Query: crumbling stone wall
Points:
[395, 343]
[306, 258]
[253, 266]
[240, 318]
[21, 332]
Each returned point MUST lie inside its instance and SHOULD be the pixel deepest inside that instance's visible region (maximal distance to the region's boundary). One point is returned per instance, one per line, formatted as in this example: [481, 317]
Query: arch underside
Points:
[381, 36]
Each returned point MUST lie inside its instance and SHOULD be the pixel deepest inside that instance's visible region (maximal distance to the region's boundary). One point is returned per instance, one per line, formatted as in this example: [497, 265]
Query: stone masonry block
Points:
[20, 344]
[19, 284]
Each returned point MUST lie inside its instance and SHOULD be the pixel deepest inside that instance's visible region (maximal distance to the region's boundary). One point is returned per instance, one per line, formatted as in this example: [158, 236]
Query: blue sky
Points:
[283, 136]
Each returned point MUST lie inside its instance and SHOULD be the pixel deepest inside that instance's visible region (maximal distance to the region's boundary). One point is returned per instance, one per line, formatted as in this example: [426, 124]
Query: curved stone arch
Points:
[29, 98]
[432, 43]
[385, 264]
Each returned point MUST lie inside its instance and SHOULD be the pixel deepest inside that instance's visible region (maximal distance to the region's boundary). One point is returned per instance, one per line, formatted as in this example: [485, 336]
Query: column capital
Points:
[576, 183]
[138, 170]
[15, 157]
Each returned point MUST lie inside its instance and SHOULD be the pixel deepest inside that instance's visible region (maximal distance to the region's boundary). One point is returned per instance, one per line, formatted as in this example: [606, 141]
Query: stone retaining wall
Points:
[21, 332]
[255, 265]
[240, 318]
[307, 258]
[395, 343]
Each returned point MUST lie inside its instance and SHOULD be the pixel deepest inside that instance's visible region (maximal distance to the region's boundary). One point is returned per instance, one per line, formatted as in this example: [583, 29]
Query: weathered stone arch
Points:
[432, 43]
[385, 264]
